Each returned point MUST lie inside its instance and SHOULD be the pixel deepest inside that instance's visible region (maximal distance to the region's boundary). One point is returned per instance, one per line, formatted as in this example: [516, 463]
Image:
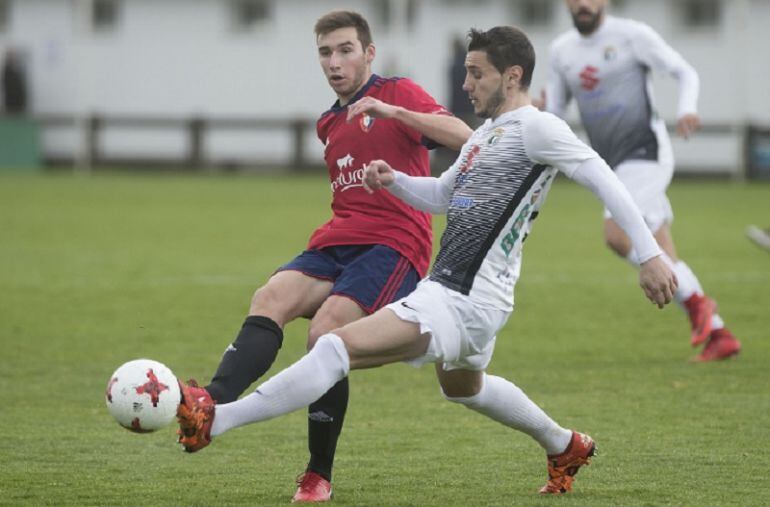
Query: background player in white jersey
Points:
[490, 195]
[604, 65]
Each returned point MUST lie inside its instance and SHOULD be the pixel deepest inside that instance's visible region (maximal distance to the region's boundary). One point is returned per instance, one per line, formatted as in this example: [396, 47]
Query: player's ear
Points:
[513, 74]
[369, 53]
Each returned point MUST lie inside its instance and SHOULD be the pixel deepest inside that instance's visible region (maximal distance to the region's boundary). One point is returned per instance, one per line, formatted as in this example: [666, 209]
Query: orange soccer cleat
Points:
[563, 467]
[700, 309]
[312, 488]
[195, 415]
[721, 345]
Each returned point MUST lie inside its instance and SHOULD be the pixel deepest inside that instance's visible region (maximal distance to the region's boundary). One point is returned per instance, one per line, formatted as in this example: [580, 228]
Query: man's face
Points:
[586, 14]
[344, 62]
[484, 85]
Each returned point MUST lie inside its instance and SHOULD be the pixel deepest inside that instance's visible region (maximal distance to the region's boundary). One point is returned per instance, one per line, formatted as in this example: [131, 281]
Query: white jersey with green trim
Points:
[608, 74]
[499, 182]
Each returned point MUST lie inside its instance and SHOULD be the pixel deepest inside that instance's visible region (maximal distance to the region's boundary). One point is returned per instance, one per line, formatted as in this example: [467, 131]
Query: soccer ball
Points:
[143, 395]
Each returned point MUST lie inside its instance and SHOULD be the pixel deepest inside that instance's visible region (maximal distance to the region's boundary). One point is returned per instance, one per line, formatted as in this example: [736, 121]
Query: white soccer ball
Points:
[143, 395]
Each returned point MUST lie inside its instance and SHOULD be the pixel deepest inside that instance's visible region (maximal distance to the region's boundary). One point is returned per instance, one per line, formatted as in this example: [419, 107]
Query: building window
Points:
[534, 12]
[246, 14]
[105, 15]
[700, 13]
[5, 15]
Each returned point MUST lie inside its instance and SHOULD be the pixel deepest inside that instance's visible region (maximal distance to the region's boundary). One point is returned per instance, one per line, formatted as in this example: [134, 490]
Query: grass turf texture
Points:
[97, 271]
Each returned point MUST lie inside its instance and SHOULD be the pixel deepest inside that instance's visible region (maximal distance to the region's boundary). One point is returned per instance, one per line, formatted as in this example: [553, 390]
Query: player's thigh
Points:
[371, 277]
[382, 338]
[616, 238]
[459, 383]
[335, 312]
[290, 294]
[666, 241]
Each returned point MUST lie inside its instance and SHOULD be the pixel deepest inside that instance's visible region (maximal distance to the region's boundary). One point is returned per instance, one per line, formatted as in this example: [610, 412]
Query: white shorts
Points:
[462, 334]
[647, 181]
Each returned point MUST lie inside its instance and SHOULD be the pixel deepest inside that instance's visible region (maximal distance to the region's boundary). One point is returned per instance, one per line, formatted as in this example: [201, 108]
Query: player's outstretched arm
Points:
[424, 193]
[444, 129]
[655, 277]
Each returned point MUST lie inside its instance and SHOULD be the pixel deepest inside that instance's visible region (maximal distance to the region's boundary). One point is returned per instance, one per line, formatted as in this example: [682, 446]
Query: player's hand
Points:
[373, 107]
[377, 174]
[688, 124]
[658, 281]
[540, 103]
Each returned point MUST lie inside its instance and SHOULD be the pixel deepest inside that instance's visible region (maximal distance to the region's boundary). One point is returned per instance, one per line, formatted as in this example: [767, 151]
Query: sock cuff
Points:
[469, 400]
[265, 323]
[333, 344]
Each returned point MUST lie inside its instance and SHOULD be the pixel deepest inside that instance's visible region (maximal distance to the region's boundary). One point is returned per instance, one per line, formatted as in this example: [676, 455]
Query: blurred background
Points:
[235, 84]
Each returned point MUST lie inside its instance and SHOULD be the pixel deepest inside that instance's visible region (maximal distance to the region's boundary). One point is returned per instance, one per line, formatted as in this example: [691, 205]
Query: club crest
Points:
[366, 122]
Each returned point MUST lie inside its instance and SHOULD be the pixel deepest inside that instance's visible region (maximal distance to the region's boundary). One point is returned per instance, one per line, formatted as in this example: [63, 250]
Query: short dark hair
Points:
[505, 46]
[344, 19]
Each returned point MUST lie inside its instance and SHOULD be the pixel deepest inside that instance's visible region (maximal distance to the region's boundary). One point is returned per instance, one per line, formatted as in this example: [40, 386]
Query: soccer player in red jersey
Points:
[374, 249]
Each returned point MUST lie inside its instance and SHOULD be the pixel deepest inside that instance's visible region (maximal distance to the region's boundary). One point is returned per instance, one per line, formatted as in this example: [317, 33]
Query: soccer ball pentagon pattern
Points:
[143, 395]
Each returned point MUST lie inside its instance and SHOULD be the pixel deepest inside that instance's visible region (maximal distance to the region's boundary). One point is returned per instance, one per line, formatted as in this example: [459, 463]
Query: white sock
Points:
[297, 386]
[502, 401]
[688, 283]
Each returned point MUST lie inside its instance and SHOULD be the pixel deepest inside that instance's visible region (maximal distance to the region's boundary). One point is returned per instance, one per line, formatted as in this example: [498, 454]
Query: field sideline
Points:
[98, 270]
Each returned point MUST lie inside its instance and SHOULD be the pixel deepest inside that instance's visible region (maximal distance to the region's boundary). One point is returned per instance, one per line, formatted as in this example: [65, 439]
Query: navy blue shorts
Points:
[371, 275]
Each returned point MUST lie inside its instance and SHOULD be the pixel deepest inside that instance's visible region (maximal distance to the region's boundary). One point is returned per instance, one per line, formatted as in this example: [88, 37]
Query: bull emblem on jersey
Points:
[346, 161]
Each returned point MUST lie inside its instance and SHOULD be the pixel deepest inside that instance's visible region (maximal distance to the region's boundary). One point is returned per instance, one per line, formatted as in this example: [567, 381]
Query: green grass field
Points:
[95, 271]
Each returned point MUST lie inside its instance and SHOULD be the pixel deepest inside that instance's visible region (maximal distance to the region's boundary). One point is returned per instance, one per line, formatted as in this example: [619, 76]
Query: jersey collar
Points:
[336, 108]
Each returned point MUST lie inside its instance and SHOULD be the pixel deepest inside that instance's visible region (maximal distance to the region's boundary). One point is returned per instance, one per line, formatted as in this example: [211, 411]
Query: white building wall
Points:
[182, 58]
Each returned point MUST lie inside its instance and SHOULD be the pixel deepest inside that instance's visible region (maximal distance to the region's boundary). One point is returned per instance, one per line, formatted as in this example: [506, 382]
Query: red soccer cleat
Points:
[700, 308]
[722, 345]
[195, 415]
[563, 467]
[312, 488]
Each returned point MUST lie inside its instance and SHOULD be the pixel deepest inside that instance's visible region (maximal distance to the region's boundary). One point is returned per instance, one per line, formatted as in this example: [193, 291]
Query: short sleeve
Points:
[549, 140]
[411, 96]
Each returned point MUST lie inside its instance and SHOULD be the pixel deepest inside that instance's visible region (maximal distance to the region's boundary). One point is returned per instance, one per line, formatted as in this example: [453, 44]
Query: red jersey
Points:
[359, 218]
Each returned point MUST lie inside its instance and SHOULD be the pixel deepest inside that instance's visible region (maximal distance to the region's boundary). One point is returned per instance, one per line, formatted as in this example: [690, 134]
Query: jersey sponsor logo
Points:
[461, 202]
[348, 177]
[509, 240]
[366, 122]
[527, 213]
[588, 78]
[610, 53]
[467, 165]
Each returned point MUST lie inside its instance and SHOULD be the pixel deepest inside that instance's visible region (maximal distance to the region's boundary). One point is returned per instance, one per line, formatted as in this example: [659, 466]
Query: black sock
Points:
[324, 424]
[248, 358]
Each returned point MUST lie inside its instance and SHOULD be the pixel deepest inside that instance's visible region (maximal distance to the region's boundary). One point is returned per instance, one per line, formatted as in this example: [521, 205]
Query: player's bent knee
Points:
[621, 248]
[313, 334]
[333, 347]
[469, 401]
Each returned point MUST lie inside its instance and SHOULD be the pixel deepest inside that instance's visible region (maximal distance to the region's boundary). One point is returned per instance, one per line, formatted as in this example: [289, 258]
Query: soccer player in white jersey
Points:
[604, 64]
[490, 195]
